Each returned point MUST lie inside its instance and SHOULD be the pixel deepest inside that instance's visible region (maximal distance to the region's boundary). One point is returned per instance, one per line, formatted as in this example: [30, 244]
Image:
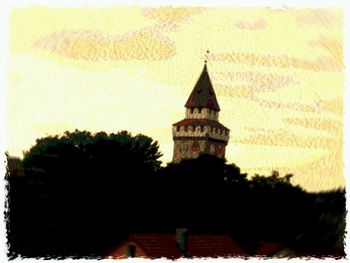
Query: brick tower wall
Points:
[191, 148]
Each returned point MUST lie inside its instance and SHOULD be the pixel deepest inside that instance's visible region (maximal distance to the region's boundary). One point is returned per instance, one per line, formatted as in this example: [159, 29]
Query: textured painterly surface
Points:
[278, 75]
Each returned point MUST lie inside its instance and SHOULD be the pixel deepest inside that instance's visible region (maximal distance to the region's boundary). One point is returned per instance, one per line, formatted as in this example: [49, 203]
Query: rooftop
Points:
[203, 94]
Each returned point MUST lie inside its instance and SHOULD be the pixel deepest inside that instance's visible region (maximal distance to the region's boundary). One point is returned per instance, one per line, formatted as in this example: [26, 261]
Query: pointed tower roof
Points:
[203, 95]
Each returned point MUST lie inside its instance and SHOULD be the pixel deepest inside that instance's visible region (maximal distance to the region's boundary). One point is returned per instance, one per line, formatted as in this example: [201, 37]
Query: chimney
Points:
[182, 241]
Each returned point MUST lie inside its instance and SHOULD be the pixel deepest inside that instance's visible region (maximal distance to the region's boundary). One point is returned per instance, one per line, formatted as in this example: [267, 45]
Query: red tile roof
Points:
[157, 245]
[164, 245]
[213, 246]
[269, 248]
[203, 94]
[203, 122]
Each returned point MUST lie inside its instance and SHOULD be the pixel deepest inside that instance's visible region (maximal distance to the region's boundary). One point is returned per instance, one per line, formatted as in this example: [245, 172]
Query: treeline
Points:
[80, 194]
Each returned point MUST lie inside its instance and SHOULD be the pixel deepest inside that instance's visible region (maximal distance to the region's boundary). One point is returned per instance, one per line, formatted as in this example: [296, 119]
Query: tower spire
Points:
[203, 94]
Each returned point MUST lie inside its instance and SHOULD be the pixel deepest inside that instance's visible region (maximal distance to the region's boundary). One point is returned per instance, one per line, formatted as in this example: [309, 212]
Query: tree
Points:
[78, 191]
[80, 147]
[82, 193]
[199, 191]
[272, 181]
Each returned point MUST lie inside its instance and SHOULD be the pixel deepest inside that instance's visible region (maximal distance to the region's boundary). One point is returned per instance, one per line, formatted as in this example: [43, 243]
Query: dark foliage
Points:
[82, 193]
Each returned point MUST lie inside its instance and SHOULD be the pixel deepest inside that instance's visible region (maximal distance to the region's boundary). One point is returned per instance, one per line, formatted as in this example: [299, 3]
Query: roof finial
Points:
[206, 57]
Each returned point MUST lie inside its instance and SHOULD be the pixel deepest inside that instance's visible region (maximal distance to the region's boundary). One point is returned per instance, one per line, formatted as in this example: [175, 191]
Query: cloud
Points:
[169, 18]
[325, 174]
[238, 90]
[334, 106]
[249, 84]
[321, 63]
[170, 14]
[311, 107]
[330, 126]
[251, 26]
[97, 46]
[321, 174]
[318, 17]
[332, 46]
[271, 137]
[254, 82]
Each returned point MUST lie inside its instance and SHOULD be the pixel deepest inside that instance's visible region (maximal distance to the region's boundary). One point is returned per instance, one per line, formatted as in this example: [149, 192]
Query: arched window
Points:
[192, 109]
[200, 110]
[183, 147]
[195, 146]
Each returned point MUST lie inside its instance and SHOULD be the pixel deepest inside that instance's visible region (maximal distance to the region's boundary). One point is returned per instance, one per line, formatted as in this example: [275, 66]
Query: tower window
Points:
[183, 147]
[212, 148]
[177, 128]
[195, 146]
[200, 110]
[192, 109]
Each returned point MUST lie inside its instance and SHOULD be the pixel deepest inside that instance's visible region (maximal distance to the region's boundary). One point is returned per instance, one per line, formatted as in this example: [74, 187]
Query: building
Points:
[200, 131]
[178, 245]
[170, 246]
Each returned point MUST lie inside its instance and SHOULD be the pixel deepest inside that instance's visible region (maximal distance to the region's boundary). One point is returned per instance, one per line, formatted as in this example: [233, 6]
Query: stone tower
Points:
[200, 131]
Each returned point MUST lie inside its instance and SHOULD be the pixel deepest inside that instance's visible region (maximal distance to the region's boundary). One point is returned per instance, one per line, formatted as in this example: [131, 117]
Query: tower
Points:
[200, 131]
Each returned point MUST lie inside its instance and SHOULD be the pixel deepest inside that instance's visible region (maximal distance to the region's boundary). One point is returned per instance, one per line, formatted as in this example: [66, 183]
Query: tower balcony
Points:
[201, 131]
[202, 113]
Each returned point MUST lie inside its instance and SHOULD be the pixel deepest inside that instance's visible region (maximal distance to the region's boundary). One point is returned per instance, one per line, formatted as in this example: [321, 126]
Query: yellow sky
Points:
[278, 75]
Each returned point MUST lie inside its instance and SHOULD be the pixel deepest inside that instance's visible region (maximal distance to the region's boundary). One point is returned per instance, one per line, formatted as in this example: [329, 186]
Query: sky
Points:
[278, 75]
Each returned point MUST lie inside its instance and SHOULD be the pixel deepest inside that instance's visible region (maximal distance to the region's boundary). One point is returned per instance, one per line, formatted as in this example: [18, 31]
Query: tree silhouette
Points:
[80, 194]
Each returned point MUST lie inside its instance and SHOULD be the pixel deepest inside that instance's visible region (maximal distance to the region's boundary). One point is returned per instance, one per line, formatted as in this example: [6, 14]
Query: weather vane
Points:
[206, 57]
